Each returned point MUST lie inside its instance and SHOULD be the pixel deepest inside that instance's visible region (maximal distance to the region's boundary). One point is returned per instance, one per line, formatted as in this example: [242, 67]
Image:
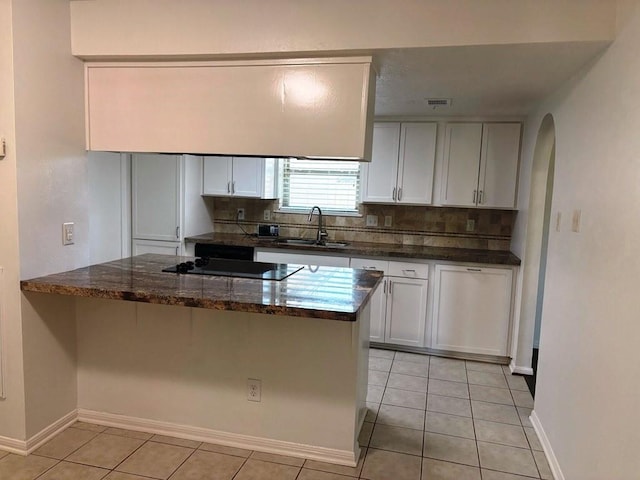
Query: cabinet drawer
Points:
[408, 270]
[370, 264]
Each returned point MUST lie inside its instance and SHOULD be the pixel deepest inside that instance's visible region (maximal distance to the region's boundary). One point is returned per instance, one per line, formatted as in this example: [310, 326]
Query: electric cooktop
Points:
[235, 268]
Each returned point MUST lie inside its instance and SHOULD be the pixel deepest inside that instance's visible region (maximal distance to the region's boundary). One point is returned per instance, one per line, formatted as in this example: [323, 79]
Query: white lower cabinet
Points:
[155, 246]
[472, 309]
[399, 308]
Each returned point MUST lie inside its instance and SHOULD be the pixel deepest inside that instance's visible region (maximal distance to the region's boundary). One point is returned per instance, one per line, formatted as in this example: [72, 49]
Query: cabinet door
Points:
[499, 165]
[406, 311]
[380, 175]
[216, 176]
[378, 311]
[472, 309]
[155, 197]
[461, 164]
[153, 246]
[246, 180]
[417, 159]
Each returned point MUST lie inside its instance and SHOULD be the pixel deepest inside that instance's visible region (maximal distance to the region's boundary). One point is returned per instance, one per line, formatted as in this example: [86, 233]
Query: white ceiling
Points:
[497, 80]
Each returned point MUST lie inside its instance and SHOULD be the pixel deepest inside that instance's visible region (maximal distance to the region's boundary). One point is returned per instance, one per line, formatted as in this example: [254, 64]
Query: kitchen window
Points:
[332, 185]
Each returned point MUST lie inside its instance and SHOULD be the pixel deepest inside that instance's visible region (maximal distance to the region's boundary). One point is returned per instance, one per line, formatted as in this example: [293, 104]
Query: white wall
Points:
[52, 168]
[109, 179]
[51, 189]
[588, 380]
[206, 27]
[12, 424]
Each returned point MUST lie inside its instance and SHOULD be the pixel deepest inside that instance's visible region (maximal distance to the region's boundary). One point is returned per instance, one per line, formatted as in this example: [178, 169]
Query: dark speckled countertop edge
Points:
[139, 279]
[491, 257]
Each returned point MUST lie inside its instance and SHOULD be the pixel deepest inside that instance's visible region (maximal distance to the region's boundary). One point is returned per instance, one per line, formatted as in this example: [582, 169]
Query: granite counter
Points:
[368, 249]
[323, 292]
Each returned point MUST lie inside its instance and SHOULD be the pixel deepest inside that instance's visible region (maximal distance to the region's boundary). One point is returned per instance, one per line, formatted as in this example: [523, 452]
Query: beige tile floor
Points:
[429, 418]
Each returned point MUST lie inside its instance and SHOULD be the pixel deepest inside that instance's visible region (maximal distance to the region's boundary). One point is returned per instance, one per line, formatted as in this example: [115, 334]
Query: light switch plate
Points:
[388, 220]
[67, 233]
[372, 221]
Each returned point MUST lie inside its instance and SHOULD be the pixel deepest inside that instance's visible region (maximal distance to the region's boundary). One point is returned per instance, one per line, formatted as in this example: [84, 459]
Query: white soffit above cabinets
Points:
[315, 108]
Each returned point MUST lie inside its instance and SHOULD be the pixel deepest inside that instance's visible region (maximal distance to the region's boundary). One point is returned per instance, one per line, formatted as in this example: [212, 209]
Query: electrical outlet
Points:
[471, 225]
[388, 220]
[266, 215]
[240, 214]
[254, 390]
[67, 233]
[372, 221]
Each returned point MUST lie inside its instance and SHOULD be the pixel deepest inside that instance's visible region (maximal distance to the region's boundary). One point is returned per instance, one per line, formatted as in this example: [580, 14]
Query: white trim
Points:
[22, 447]
[330, 455]
[520, 370]
[546, 446]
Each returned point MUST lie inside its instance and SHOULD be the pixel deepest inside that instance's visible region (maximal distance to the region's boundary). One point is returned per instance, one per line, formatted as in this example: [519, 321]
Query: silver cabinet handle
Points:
[384, 290]
[475, 194]
[400, 194]
[228, 187]
[394, 194]
[177, 248]
[233, 187]
[480, 197]
[406, 272]
[474, 269]
[178, 232]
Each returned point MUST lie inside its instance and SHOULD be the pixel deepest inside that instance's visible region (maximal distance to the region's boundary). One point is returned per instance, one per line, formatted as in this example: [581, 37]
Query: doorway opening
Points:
[537, 241]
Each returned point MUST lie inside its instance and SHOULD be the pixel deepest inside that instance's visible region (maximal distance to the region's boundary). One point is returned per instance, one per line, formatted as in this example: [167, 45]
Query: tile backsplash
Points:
[411, 225]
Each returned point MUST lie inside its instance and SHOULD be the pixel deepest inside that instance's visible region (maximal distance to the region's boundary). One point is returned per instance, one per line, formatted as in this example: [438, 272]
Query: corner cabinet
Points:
[399, 308]
[402, 163]
[252, 177]
[472, 309]
[480, 167]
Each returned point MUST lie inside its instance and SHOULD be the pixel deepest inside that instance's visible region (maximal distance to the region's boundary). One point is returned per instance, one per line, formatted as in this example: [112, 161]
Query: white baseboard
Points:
[22, 447]
[520, 370]
[546, 446]
[341, 457]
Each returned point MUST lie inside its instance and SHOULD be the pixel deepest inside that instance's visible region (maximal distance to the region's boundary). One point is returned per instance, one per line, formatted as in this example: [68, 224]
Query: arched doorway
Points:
[538, 225]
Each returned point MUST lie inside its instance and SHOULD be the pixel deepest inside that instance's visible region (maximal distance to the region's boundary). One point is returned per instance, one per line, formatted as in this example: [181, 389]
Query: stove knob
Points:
[182, 268]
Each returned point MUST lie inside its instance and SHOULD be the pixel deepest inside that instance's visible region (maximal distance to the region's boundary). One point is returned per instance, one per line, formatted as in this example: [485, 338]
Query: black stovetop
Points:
[235, 268]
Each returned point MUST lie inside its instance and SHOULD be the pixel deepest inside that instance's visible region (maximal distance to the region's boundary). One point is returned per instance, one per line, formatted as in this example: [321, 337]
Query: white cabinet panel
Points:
[481, 164]
[499, 165]
[378, 310]
[472, 309]
[406, 311]
[151, 246]
[417, 159]
[401, 168]
[155, 197]
[277, 107]
[217, 174]
[380, 175]
[253, 177]
[462, 156]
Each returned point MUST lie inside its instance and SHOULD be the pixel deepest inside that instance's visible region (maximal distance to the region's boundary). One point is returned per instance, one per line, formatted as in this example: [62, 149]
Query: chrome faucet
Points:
[322, 233]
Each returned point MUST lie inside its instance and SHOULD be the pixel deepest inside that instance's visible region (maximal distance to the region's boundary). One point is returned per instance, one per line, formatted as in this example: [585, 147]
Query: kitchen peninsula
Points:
[151, 364]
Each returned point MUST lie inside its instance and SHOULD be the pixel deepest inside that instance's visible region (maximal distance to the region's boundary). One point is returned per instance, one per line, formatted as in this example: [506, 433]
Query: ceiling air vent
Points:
[438, 102]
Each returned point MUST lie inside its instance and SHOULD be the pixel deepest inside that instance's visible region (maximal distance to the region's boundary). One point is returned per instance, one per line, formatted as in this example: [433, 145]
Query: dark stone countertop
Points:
[326, 292]
[368, 249]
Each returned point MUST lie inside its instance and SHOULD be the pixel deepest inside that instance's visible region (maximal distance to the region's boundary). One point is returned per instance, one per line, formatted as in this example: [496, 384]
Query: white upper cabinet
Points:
[275, 108]
[481, 165]
[239, 177]
[401, 168]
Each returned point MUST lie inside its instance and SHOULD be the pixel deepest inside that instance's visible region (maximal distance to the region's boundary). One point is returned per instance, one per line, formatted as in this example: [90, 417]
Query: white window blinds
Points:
[332, 185]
